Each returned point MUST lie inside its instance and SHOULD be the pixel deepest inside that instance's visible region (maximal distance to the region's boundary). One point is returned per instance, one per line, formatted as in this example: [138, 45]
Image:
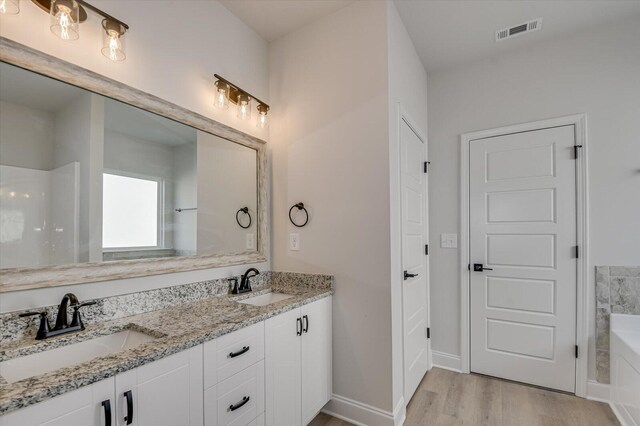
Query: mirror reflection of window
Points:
[130, 210]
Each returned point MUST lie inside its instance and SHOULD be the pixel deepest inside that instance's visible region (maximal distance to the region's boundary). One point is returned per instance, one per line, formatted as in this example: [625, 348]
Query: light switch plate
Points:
[250, 241]
[449, 241]
[294, 241]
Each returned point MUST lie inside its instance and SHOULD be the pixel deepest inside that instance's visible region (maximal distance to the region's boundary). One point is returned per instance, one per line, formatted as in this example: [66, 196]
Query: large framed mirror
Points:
[100, 181]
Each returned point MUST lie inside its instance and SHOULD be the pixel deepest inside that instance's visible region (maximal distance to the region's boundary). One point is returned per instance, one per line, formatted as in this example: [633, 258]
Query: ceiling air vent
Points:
[516, 30]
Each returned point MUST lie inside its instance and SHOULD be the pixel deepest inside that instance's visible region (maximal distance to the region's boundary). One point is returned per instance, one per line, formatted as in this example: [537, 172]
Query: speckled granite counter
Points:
[176, 328]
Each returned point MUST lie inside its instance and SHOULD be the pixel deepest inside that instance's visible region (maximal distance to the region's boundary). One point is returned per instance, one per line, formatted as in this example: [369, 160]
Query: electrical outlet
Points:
[449, 241]
[250, 241]
[294, 241]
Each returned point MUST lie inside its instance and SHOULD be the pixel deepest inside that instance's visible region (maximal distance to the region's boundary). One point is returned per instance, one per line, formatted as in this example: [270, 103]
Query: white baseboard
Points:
[598, 391]
[446, 361]
[361, 414]
[623, 416]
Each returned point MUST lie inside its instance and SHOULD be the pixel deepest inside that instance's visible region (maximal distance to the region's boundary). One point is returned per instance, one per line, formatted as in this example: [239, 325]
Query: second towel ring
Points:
[300, 206]
[244, 210]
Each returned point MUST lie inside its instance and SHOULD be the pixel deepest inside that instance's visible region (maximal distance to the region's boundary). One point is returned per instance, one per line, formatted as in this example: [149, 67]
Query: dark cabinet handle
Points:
[244, 350]
[106, 405]
[407, 275]
[299, 326]
[237, 405]
[306, 324]
[129, 417]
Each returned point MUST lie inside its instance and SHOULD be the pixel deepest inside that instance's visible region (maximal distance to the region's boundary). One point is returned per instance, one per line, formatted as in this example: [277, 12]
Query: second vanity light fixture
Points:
[227, 91]
[66, 16]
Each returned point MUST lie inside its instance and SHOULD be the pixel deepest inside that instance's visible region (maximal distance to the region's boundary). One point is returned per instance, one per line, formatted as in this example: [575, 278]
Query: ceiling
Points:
[272, 19]
[451, 32]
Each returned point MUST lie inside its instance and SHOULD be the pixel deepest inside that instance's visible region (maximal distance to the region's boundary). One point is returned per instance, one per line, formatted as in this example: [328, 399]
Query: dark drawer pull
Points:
[306, 324]
[299, 326]
[244, 350]
[235, 406]
[106, 404]
[129, 418]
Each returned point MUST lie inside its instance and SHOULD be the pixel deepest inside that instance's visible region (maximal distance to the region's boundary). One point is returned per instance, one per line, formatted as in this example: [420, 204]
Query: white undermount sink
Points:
[23, 367]
[265, 299]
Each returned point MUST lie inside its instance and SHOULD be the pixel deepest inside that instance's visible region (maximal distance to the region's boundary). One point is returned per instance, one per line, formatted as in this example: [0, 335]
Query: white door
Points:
[316, 357]
[414, 258]
[282, 369]
[166, 392]
[88, 406]
[523, 230]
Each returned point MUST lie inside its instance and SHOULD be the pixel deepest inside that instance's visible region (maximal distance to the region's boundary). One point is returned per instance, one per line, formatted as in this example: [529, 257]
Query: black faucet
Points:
[62, 326]
[245, 284]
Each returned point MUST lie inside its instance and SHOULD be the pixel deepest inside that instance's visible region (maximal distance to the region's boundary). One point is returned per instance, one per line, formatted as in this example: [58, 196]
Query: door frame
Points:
[579, 121]
[403, 115]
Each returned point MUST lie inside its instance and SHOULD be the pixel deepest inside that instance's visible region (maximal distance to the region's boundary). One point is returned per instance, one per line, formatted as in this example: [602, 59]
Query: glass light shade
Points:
[263, 120]
[9, 7]
[113, 40]
[65, 16]
[244, 107]
[221, 100]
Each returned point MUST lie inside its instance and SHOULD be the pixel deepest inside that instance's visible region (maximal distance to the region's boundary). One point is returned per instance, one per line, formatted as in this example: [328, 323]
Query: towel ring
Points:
[300, 206]
[244, 210]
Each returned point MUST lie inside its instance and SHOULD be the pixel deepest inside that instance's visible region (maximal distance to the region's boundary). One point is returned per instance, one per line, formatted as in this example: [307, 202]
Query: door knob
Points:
[479, 267]
[407, 275]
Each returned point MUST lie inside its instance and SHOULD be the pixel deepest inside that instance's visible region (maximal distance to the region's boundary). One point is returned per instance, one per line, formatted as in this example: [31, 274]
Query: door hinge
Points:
[426, 166]
[577, 248]
[576, 150]
[426, 249]
[428, 332]
[576, 351]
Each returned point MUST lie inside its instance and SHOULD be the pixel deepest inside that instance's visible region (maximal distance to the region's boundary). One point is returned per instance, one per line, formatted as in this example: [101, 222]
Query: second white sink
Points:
[265, 299]
[20, 368]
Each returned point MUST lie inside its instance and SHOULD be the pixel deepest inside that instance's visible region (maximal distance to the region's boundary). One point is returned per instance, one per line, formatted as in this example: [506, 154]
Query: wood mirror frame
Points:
[15, 279]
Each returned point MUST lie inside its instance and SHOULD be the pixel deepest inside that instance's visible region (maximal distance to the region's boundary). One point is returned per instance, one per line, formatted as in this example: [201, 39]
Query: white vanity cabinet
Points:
[86, 406]
[234, 378]
[298, 364]
[166, 392]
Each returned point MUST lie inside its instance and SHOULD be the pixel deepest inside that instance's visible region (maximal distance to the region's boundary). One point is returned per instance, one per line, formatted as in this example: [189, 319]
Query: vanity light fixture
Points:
[227, 91]
[66, 16]
[9, 7]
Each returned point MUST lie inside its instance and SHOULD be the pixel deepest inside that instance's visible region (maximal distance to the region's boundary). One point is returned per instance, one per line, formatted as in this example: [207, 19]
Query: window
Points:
[130, 212]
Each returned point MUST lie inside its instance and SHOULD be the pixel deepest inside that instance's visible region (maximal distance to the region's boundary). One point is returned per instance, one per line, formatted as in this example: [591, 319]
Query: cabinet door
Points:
[81, 407]
[316, 357]
[282, 369]
[167, 392]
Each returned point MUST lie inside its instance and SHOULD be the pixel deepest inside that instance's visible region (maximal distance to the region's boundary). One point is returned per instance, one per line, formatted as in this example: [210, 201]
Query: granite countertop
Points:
[176, 328]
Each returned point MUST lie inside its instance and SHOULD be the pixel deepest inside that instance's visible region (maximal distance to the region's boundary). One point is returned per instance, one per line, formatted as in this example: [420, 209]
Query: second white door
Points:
[414, 259]
[522, 231]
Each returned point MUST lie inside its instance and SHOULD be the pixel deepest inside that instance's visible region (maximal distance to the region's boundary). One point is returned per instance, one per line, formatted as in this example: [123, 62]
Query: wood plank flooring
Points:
[448, 398]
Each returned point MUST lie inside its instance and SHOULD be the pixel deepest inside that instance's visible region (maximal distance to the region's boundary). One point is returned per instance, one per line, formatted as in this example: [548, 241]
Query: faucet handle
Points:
[44, 327]
[76, 321]
[234, 280]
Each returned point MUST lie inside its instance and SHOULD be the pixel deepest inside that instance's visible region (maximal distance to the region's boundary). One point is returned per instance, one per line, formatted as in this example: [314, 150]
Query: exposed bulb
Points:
[244, 107]
[112, 45]
[221, 100]
[64, 19]
[263, 120]
[9, 7]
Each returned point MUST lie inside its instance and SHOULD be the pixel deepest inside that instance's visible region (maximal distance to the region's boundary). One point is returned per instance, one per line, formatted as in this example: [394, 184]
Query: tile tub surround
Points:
[617, 291]
[176, 327]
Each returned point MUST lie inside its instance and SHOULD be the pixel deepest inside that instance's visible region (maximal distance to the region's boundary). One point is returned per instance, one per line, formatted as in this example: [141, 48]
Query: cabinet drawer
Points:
[232, 353]
[246, 385]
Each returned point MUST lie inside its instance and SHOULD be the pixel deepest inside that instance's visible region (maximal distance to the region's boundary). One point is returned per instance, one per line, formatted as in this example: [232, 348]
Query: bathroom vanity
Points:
[223, 360]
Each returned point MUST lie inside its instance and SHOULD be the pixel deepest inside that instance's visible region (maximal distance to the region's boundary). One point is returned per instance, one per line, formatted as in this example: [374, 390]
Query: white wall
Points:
[408, 94]
[173, 48]
[330, 150]
[25, 136]
[597, 73]
[227, 181]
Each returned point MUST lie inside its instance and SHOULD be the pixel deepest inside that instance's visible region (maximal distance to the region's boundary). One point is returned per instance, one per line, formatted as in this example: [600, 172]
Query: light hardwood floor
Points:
[448, 398]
